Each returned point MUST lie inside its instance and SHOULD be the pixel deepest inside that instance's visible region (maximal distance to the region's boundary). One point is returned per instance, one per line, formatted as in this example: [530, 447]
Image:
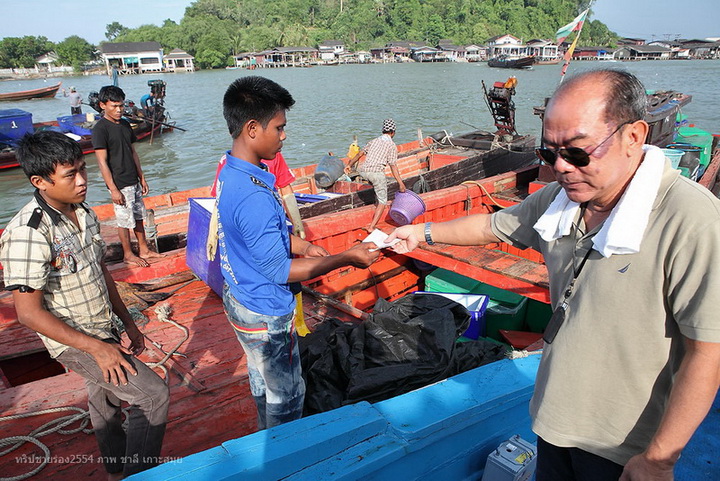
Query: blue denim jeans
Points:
[273, 361]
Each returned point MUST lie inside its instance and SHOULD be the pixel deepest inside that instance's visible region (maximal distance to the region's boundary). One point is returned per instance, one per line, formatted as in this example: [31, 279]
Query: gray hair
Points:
[626, 99]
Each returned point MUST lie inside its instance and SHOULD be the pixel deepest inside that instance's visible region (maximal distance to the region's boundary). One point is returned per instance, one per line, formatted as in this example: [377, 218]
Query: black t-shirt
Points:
[117, 140]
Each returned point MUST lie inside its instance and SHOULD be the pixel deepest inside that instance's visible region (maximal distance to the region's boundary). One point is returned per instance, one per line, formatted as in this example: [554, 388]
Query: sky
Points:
[59, 19]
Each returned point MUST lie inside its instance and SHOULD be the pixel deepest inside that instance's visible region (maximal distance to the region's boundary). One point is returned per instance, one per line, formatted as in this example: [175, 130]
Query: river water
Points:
[334, 103]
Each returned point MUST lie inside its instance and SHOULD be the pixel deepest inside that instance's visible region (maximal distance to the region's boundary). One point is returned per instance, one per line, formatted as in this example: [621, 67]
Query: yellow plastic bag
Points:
[300, 325]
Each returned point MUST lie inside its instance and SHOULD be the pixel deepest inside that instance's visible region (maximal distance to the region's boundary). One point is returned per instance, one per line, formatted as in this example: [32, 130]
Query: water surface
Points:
[334, 103]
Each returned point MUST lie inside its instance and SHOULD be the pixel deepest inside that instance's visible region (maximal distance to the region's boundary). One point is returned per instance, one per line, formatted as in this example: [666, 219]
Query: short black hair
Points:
[41, 152]
[253, 98]
[111, 93]
[625, 95]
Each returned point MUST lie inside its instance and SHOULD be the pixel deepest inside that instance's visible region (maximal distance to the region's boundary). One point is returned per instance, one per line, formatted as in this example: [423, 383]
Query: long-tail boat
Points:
[41, 93]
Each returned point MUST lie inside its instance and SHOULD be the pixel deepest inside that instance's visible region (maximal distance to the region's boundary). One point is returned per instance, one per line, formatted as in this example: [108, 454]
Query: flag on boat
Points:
[573, 26]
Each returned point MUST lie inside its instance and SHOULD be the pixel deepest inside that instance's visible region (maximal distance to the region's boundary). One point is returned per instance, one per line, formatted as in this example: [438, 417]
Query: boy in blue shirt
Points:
[256, 250]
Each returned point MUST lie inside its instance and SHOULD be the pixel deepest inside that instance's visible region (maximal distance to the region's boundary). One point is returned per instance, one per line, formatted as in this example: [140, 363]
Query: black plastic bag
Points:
[404, 345]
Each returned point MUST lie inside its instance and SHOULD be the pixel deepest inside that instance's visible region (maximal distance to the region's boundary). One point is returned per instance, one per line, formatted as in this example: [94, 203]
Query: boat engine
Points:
[94, 102]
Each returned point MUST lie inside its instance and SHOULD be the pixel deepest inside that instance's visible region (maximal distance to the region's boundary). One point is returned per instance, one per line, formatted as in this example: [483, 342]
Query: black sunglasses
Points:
[572, 155]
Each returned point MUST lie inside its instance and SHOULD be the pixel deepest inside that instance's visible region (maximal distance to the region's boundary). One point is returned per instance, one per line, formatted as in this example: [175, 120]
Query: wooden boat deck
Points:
[212, 372]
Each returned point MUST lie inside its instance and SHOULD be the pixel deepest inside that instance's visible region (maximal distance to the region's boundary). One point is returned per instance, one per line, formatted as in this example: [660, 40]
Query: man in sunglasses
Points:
[631, 362]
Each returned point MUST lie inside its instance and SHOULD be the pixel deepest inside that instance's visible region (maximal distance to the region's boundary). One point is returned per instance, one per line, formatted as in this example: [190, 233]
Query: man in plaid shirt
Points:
[52, 256]
[379, 153]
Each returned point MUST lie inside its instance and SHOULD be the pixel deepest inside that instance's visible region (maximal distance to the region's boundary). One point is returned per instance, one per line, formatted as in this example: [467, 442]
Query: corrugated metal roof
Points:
[129, 47]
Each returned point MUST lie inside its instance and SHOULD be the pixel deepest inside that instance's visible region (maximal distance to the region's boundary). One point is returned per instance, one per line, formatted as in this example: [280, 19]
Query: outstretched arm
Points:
[351, 163]
[309, 267]
[474, 230]
[396, 174]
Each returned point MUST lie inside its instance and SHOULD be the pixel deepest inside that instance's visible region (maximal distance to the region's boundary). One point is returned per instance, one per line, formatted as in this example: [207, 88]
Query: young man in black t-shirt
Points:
[119, 164]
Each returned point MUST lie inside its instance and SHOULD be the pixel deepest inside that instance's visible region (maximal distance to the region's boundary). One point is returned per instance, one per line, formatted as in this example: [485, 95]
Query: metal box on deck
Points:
[195, 252]
[514, 460]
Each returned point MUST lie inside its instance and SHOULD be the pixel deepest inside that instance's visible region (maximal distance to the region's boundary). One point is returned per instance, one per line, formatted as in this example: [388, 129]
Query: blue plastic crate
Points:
[14, 124]
[195, 252]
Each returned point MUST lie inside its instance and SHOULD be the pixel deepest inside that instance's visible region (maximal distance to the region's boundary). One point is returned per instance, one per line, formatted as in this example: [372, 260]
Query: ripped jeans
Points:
[273, 361]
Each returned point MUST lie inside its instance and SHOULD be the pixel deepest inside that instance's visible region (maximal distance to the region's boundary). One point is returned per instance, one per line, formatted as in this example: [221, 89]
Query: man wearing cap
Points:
[75, 101]
[379, 153]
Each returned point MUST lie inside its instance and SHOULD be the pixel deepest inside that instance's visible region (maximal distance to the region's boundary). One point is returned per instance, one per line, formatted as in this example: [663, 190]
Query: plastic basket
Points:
[406, 207]
[674, 155]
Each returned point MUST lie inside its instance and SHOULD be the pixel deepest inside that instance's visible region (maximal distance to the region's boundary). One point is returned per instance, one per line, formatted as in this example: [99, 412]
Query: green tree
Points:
[21, 52]
[212, 30]
[213, 50]
[74, 51]
[114, 30]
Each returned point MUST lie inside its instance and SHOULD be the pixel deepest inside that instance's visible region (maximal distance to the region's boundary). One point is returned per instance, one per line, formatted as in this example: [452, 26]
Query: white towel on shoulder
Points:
[623, 230]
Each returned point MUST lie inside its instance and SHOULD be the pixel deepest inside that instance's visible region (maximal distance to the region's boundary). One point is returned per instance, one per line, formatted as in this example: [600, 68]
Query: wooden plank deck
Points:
[210, 396]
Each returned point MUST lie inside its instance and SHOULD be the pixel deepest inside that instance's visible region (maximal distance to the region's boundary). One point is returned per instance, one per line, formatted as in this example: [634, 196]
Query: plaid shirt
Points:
[379, 153]
[42, 249]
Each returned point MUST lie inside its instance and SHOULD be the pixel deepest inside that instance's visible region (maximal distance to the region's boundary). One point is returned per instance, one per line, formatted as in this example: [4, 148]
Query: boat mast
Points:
[562, 34]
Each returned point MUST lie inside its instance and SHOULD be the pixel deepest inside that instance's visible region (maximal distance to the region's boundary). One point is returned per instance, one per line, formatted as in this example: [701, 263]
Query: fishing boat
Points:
[505, 61]
[435, 426]
[41, 93]
[14, 123]
[435, 162]
[143, 129]
[448, 428]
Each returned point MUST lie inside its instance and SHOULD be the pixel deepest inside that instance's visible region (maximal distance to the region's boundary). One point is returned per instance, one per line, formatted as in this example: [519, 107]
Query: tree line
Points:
[214, 30]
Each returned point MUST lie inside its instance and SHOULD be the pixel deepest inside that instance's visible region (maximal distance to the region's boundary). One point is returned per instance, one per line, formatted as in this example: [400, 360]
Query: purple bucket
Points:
[406, 206]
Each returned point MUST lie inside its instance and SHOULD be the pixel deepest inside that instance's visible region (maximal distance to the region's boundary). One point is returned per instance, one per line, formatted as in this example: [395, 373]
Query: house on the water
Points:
[331, 50]
[179, 61]
[544, 51]
[506, 46]
[132, 57]
[425, 53]
[593, 53]
[642, 52]
[453, 53]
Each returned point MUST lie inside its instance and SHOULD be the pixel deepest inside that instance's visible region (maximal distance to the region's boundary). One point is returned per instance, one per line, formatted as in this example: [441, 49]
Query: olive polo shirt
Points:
[604, 382]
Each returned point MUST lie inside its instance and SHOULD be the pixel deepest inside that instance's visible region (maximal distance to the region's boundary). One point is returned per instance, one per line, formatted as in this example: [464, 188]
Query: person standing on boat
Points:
[256, 250]
[75, 101]
[631, 363]
[147, 102]
[119, 163]
[379, 153]
[52, 256]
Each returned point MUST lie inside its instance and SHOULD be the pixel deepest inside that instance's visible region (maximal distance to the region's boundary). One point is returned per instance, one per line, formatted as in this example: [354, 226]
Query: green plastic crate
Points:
[442, 280]
[506, 310]
[699, 138]
[537, 316]
[501, 316]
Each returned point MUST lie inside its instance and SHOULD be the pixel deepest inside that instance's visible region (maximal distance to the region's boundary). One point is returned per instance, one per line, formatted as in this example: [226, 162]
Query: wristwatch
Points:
[428, 237]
